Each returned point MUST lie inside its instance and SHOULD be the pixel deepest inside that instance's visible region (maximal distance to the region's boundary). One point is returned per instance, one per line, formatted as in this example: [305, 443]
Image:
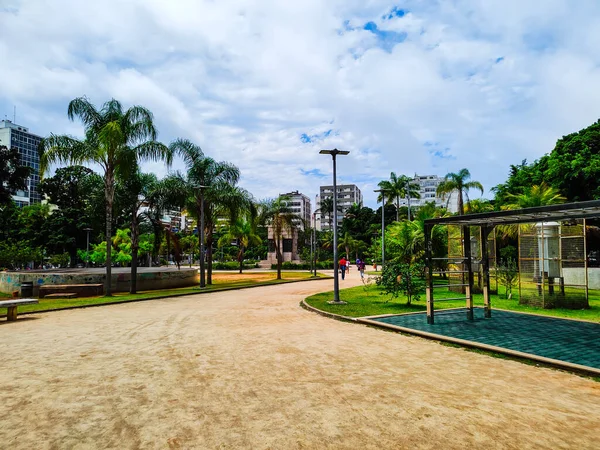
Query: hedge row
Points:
[321, 265]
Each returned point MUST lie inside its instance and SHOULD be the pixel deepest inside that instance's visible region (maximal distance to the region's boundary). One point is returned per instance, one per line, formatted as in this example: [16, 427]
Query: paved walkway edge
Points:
[306, 306]
[514, 353]
[66, 308]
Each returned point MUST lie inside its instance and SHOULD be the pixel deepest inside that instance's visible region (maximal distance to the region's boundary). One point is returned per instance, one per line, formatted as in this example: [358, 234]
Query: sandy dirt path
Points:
[250, 369]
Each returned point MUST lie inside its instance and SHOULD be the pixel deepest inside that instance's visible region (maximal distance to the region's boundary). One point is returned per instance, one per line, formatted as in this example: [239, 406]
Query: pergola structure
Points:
[486, 223]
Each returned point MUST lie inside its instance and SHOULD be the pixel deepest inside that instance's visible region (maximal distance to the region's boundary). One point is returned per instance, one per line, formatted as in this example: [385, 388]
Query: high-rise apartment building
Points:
[427, 189]
[299, 204]
[347, 195]
[19, 137]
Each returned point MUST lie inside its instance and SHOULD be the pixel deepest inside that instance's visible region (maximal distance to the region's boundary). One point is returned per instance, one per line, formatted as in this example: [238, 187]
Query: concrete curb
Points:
[556, 363]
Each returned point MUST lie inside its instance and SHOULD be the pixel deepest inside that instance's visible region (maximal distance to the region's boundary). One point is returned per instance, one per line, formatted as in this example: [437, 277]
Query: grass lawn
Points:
[368, 301]
[221, 281]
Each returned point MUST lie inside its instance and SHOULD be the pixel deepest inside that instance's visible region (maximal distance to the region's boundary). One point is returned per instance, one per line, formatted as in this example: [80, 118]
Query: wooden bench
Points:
[13, 304]
[63, 295]
[81, 290]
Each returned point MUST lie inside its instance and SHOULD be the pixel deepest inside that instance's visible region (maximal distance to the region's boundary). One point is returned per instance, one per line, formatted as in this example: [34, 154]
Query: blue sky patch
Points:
[385, 39]
[313, 173]
[307, 139]
[395, 12]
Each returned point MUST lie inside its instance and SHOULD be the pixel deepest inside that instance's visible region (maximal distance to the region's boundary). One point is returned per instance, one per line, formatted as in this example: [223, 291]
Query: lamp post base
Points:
[339, 302]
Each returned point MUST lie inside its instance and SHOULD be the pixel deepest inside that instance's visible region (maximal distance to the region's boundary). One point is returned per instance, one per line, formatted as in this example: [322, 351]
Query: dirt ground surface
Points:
[251, 369]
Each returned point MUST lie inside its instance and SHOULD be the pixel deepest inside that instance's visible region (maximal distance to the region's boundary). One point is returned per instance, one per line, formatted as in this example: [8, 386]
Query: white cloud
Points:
[481, 84]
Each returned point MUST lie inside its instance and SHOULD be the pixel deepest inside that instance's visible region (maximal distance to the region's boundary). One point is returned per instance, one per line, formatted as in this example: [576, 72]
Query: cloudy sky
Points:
[416, 86]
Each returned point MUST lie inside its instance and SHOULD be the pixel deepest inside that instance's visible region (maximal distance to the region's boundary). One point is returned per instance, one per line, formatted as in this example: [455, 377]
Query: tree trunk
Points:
[208, 250]
[461, 209]
[398, 209]
[109, 189]
[241, 258]
[135, 245]
[279, 256]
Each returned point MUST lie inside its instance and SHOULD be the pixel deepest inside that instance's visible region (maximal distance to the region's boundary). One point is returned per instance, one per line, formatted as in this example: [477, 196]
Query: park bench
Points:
[81, 290]
[13, 304]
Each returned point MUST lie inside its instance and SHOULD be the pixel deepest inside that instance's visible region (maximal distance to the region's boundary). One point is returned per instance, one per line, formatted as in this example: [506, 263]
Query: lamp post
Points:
[202, 274]
[336, 283]
[382, 226]
[87, 248]
[408, 198]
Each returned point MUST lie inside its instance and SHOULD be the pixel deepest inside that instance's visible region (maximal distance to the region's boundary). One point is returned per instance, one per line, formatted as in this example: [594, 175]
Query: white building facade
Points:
[347, 195]
[19, 137]
[427, 189]
[299, 204]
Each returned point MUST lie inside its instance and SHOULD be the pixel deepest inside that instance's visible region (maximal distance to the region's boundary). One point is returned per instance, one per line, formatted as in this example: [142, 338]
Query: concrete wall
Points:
[577, 276]
[11, 281]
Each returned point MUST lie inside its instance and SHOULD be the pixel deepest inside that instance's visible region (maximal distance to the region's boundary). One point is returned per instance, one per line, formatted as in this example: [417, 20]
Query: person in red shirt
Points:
[342, 265]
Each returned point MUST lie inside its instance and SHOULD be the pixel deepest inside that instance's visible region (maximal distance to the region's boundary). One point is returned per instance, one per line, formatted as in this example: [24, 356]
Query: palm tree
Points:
[116, 140]
[219, 193]
[244, 232]
[327, 209]
[537, 195]
[279, 216]
[398, 187]
[140, 189]
[479, 205]
[347, 243]
[458, 182]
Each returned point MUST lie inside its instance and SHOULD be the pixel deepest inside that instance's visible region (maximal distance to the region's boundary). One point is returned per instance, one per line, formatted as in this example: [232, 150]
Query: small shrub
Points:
[401, 278]
[508, 272]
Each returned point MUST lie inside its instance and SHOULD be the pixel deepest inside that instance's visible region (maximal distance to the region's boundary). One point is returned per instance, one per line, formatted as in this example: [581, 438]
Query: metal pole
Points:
[408, 198]
[202, 276]
[87, 250]
[382, 230]
[315, 232]
[336, 282]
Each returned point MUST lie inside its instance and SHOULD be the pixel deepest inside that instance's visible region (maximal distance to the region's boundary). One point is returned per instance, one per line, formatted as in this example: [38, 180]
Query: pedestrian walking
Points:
[361, 267]
[342, 265]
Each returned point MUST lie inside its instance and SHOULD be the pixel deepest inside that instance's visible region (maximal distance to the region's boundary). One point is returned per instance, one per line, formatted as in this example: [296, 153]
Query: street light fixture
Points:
[87, 249]
[336, 282]
[202, 274]
[382, 191]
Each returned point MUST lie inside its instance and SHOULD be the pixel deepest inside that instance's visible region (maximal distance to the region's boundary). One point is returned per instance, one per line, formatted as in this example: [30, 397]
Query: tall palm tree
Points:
[398, 187]
[347, 243]
[220, 195]
[326, 209]
[458, 182]
[279, 216]
[244, 232]
[140, 189]
[116, 140]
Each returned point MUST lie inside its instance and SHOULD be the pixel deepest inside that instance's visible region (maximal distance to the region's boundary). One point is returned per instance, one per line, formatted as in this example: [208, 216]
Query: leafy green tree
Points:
[398, 187]
[78, 193]
[347, 243]
[244, 232]
[458, 182]
[116, 140]
[508, 273]
[279, 216]
[403, 278]
[13, 175]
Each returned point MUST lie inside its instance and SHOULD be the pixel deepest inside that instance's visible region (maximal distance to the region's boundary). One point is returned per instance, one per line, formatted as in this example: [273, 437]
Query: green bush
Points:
[288, 265]
[233, 265]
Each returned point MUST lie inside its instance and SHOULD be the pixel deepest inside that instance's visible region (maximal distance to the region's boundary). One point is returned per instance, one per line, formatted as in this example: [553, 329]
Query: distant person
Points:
[361, 267]
[342, 264]
[375, 265]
